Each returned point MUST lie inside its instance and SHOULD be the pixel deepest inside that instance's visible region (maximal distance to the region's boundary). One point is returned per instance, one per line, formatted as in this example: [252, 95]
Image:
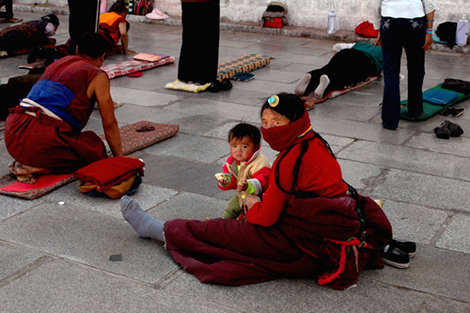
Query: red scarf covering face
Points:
[282, 137]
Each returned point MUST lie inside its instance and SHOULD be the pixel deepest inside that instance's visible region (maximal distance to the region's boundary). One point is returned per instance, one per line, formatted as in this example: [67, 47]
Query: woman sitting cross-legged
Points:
[306, 225]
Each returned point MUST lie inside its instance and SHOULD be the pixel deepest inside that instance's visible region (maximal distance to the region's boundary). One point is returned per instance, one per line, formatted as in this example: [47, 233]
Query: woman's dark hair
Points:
[245, 130]
[93, 45]
[118, 7]
[290, 105]
[51, 18]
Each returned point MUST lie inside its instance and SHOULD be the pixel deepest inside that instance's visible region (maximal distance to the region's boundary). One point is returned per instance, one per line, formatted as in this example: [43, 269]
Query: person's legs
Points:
[415, 64]
[200, 48]
[391, 49]
[145, 225]
[83, 18]
[233, 209]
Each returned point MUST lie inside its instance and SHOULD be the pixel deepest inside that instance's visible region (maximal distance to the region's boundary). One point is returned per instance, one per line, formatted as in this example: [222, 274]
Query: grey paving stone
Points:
[167, 172]
[89, 238]
[455, 236]
[147, 195]
[62, 286]
[358, 130]
[432, 191]
[191, 148]
[408, 158]
[435, 272]
[413, 222]
[129, 114]
[306, 296]
[13, 205]
[224, 111]
[278, 76]
[456, 146]
[358, 175]
[352, 111]
[190, 206]
[143, 98]
[13, 258]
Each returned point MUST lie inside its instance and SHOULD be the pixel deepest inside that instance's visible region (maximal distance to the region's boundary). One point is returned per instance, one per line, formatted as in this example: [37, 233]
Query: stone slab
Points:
[426, 190]
[13, 258]
[456, 234]
[90, 238]
[409, 158]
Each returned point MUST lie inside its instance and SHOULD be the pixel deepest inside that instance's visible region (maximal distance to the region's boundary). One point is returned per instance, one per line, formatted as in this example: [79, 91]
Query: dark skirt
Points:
[199, 56]
[306, 242]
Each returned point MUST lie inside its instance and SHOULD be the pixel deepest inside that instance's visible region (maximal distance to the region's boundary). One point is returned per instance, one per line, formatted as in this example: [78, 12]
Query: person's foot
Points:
[14, 20]
[324, 82]
[302, 85]
[144, 225]
[22, 175]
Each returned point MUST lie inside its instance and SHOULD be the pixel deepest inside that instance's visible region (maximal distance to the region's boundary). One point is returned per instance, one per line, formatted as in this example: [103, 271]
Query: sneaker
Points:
[393, 256]
[406, 246]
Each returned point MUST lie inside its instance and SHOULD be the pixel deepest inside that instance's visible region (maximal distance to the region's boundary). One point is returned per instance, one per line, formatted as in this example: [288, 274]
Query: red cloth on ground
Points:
[46, 142]
[232, 252]
[109, 172]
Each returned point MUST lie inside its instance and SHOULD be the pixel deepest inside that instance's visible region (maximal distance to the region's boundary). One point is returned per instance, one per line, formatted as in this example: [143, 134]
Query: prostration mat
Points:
[226, 70]
[311, 100]
[134, 137]
[432, 109]
[131, 66]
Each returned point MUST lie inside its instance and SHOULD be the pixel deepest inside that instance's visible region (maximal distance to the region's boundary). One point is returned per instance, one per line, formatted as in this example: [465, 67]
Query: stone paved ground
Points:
[55, 258]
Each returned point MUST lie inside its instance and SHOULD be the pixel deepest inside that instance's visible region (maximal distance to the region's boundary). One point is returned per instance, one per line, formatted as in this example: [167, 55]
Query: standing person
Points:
[404, 24]
[83, 18]
[44, 133]
[8, 15]
[199, 56]
[306, 225]
[246, 168]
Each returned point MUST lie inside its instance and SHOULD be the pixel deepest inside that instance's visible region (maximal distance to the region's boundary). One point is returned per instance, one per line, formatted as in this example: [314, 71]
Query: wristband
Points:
[430, 21]
[429, 30]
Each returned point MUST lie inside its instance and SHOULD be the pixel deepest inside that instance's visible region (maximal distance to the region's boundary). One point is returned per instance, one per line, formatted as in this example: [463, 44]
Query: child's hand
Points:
[242, 185]
[222, 179]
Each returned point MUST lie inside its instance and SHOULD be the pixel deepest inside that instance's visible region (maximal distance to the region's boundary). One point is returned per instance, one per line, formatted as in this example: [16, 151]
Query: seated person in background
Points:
[114, 27]
[44, 133]
[247, 169]
[351, 64]
[28, 35]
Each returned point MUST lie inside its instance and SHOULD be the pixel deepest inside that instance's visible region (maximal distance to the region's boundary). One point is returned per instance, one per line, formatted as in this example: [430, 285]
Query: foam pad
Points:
[247, 63]
[132, 66]
[134, 137]
[180, 85]
[432, 109]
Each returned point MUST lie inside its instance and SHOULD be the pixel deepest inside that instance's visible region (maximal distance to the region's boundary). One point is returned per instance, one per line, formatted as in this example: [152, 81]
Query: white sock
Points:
[324, 82]
[145, 225]
[302, 85]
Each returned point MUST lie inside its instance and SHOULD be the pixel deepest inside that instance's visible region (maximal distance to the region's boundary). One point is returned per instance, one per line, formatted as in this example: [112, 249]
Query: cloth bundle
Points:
[113, 177]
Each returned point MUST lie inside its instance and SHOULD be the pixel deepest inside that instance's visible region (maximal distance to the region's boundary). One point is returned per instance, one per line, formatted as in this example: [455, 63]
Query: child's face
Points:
[242, 148]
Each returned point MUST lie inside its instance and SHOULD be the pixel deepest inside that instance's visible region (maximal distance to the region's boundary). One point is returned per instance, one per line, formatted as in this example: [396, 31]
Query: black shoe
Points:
[455, 129]
[214, 87]
[393, 256]
[442, 131]
[405, 246]
[225, 84]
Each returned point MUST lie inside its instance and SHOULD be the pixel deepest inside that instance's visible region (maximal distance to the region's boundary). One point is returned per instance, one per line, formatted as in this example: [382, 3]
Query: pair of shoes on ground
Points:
[448, 129]
[452, 112]
[243, 77]
[216, 86]
[398, 253]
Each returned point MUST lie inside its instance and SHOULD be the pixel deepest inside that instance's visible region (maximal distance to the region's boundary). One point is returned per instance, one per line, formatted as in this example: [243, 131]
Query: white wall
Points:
[302, 13]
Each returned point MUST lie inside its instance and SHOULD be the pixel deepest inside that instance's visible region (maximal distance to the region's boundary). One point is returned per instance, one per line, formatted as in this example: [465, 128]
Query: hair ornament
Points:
[273, 101]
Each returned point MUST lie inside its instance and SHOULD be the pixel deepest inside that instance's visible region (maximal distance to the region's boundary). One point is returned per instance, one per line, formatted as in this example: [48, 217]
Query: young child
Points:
[246, 170]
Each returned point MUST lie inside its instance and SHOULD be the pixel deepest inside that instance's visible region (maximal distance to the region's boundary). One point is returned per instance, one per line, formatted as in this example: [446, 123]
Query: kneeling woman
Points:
[305, 226]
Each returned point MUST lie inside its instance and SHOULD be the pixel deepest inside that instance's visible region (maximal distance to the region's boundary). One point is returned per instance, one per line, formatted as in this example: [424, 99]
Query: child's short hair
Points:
[245, 130]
